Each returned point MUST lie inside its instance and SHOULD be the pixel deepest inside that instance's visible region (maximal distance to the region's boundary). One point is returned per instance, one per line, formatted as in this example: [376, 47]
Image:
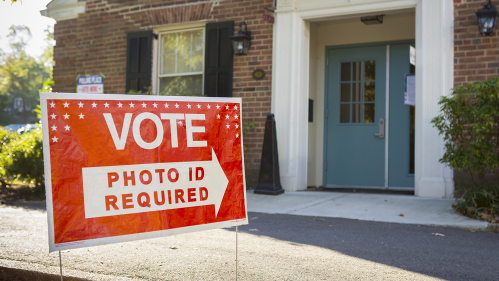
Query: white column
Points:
[290, 97]
[434, 74]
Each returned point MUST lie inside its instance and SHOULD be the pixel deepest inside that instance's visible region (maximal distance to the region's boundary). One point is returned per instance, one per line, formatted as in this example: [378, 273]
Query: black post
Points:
[270, 180]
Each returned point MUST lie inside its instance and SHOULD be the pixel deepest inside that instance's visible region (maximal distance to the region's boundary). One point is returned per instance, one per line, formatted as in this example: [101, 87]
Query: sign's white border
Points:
[123, 238]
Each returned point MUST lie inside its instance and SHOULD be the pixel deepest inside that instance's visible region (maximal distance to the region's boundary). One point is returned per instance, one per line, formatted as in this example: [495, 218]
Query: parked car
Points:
[20, 128]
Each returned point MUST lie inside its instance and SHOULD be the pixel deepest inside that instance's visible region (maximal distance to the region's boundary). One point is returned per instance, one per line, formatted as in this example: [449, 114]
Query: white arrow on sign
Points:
[129, 189]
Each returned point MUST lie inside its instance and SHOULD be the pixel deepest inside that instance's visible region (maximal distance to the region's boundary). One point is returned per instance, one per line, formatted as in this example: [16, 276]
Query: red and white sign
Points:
[123, 167]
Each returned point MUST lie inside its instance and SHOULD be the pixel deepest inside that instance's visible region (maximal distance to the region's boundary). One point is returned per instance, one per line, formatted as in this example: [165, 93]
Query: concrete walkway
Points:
[369, 207]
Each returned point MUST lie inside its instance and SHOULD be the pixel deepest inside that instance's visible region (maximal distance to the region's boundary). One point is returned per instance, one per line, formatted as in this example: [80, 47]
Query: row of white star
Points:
[66, 116]
[144, 105]
[55, 139]
[67, 127]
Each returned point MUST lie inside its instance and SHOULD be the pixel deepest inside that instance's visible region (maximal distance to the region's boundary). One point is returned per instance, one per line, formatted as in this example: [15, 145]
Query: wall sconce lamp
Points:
[241, 41]
[487, 19]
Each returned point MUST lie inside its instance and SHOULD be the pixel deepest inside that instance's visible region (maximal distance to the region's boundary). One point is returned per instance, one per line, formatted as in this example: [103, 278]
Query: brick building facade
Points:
[96, 43]
[309, 40]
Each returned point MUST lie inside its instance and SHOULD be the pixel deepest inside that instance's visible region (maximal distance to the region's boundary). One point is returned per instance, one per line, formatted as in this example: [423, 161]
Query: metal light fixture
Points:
[487, 19]
[241, 41]
[377, 19]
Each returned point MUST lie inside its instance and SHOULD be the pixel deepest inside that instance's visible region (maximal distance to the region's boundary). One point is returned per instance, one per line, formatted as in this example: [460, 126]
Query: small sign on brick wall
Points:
[90, 84]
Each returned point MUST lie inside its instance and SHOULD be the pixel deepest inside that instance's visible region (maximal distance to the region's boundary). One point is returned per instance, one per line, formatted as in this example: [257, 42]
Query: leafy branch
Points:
[13, 1]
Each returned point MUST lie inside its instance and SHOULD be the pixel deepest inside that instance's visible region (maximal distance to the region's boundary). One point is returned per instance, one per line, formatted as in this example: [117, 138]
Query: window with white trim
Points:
[181, 63]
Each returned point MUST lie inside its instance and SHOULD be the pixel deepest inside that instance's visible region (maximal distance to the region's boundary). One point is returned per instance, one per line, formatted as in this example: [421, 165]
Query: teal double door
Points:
[365, 146]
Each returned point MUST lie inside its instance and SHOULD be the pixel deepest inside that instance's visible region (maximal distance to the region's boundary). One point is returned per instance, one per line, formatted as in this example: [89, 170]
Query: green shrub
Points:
[6, 137]
[22, 159]
[469, 124]
[479, 203]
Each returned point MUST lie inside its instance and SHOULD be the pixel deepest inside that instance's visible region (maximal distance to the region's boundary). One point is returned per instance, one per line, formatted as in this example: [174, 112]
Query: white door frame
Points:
[290, 84]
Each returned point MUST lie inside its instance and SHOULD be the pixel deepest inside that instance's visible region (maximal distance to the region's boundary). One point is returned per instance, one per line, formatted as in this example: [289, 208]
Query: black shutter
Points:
[218, 61]
[138, 62]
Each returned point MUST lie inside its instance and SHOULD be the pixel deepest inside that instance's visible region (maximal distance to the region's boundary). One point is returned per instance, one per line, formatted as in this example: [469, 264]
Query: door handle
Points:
[381, 133]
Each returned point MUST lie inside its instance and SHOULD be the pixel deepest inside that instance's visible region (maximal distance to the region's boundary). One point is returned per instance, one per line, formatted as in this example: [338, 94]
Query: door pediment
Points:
[64, 9]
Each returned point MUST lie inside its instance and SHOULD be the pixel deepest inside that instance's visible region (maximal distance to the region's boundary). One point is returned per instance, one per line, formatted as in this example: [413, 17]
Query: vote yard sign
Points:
[124, 167]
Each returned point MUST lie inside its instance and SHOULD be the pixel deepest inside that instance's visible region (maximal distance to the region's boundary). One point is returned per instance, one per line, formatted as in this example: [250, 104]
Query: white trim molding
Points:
[434, 79]
[290, 98]
[63, 9]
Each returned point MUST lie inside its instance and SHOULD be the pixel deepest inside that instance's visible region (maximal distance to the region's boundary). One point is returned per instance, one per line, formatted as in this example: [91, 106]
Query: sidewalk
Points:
[369, 207]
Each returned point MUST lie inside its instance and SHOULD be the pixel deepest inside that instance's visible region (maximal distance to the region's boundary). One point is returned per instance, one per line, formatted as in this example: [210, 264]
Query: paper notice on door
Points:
[412, 55]
[410, 89]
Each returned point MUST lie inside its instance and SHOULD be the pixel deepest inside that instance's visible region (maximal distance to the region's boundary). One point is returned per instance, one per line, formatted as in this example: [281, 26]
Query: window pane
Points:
[183, 62]
[357, 70]
[168, 64]
[197, 84]
[197, 41]
[357, 113]
[345, 92]
[369, 113]
[197, 61]
[184, 52]
[356, 92]
[184, 42]
[181, 85]
[345, 71]
[344, 113]
[169, 43]
[370, 72]
[369, 92]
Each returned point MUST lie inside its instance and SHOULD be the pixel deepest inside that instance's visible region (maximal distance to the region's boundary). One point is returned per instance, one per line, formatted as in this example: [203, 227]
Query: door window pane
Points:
[345, 113]
[357, 70]
[370, 70]
[356, 92]
[345, 71]
[369, 93]
[357, 112]
[345, 92]
[369, 113]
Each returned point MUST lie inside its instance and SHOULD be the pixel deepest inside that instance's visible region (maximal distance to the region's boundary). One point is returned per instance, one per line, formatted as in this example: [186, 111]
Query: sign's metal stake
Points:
[236, 252]
[60, 263]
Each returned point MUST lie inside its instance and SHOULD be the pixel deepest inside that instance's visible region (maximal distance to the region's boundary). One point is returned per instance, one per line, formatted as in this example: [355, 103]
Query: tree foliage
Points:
[22, 76]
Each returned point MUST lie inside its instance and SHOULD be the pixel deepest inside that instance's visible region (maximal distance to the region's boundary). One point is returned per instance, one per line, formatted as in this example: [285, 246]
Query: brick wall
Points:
[65, 56]
[95, 43]
[255, 94]
[475, 56]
